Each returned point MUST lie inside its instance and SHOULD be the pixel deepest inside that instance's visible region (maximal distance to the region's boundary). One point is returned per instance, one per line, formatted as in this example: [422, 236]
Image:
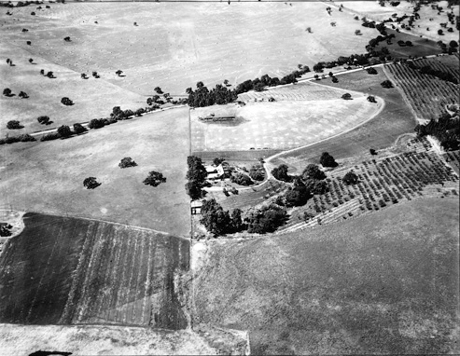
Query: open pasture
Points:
[63, 270]
[427, 94]
[280, 125]
[385, 283]
[48, 176]
[395, 119]
[175, 45]
[93, 98]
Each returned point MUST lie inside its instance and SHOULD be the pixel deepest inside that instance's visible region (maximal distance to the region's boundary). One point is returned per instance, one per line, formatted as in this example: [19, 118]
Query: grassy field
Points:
[48, 176]
[93, 98]
[281, 125]
[380, 284]
[351, 147]
[63, 270]
[176, 45]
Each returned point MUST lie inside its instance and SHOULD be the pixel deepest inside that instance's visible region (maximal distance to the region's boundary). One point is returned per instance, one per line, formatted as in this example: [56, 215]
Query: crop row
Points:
[427, 95]
[381, 183]
[438, 65]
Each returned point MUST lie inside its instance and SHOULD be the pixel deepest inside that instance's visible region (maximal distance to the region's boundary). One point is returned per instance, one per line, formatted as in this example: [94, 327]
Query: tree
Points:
[266, 219]
[64, 131]
[95, 75]
[44, 120]
[66, 101]
[91, 183]
[259, 87]
[14, 125]
[335, 80]
[387, 84]
[327, 160]
[50, 75]
[31, 60]
[312, 171]
[298, 195]
[257, 173]
[67, 39]
[158, 90]
[79, 128]
[316, 186]
[371, 70]
[217, 161]
[346, 96]
[96, 123]
[280, 173]
[371, 99]
[42, 71]
[7, 92]
[372, 152]
[440, 32]
[350, 178]
[23, 95]
[453, 44]
[127, 162]
[154, 179]
[241, 179]
[119, 72]
[193, 189]
[358, 33]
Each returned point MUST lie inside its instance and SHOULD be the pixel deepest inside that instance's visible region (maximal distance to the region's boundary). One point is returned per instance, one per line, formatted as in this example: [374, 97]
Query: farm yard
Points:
[48, 176]
[280, 125]
[353, 146]
[381, 283]
[427, 94]
[112, 274]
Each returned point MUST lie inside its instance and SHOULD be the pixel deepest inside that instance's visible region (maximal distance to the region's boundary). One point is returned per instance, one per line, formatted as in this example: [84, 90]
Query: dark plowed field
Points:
[63, 270]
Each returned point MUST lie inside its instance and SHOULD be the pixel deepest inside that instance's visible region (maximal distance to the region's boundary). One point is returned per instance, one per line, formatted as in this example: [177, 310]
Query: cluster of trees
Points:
[154, 179]
[448, 77]
[12, 139]
[446, 129]
[241, 179]
[64, 131]
[266, 219]
[14, 125]
[50, 74]
[219, 221]
[196, 176]
[202, 96]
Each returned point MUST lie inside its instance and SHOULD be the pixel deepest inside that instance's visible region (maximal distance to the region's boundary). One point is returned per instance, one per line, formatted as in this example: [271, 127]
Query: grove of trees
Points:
[196, 176]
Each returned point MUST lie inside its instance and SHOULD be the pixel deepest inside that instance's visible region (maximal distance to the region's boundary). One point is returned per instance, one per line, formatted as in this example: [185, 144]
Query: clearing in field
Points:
[63, 270]
[384, 283]
[48, 176]
[282, 125]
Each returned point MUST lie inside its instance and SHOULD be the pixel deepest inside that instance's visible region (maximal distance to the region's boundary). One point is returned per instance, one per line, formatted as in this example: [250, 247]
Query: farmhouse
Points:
[215, 172]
